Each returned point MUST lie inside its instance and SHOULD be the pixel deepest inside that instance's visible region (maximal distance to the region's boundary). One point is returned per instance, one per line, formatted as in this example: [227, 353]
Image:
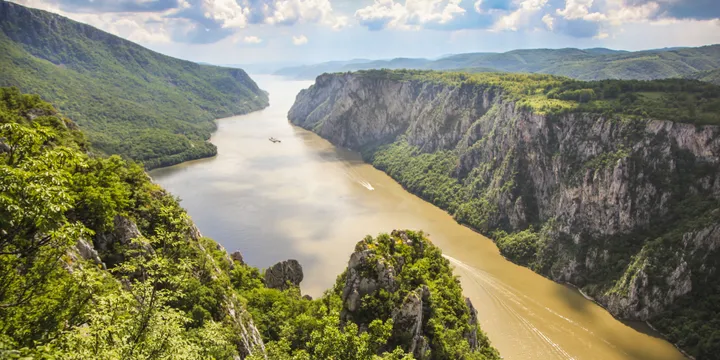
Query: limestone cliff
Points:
[624, 207]
[403, 276]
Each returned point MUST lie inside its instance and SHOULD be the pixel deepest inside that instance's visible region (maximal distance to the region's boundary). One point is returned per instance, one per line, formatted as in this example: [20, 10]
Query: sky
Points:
[311, 31]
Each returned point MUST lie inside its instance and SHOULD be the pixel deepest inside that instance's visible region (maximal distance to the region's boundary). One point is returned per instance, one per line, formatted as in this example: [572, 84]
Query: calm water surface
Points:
[308, 200]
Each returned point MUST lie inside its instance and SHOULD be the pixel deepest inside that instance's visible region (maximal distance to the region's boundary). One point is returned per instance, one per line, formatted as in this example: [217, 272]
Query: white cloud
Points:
[408, 16]
[619, 13]
[252, 40]
[226, 12]
[299, 40]
[549, 21]
[601, 35]
[580, 9]
[575, 9]
[189, 18]
[478, 6]
[521, 17]
[311, 11]
[143, 27]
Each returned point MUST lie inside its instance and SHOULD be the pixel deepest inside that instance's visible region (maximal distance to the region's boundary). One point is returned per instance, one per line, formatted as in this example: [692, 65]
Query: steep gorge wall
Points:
[627, 209]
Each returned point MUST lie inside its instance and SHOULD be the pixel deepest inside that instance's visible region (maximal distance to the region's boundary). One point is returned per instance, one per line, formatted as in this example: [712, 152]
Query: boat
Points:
[274, 140]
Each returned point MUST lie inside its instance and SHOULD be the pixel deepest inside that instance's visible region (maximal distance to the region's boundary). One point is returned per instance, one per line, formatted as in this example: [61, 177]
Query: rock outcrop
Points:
[87, 251]
[124, 231]
[236, 256]
[366, 274]
[627, 209]
[284, 274]
[377, 285]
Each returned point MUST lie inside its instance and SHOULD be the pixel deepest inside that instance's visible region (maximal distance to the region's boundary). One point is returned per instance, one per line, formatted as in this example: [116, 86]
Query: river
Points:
[306, 199]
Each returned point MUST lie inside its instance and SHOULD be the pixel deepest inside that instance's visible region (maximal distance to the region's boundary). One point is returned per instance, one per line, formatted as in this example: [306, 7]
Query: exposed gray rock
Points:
[472, 336]
[365, 275]
[283, 275]
[236, 256]
[408, 321]
[194, 232]
[252, 343]
[4, 147]
[87, 251]
[640, 298]
[124, 232]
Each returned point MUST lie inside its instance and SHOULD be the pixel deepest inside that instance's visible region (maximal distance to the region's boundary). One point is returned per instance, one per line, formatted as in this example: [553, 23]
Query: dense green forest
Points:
[586, 64]
[681, 100]
[97, 262]
[129, 100]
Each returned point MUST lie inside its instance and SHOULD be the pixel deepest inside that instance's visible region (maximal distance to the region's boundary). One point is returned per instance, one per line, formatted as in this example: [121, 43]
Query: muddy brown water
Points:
[305, 199]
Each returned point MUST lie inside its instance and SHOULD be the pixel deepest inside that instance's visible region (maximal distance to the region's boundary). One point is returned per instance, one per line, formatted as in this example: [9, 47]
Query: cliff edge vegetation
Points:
[97, 262]
[613, 186]
[129, 100]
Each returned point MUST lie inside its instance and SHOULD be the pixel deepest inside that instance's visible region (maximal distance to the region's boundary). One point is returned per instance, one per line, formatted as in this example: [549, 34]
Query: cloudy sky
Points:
[271, 31]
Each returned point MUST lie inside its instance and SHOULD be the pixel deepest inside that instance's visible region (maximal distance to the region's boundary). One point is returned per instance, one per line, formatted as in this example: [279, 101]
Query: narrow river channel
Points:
[305, 199]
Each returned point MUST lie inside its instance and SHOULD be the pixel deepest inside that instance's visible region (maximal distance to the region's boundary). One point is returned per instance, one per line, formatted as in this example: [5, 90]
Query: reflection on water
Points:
[305, 199]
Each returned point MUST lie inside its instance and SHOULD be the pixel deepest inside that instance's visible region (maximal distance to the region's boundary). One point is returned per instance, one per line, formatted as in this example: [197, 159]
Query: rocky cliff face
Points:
[625, 208]
[391, 277]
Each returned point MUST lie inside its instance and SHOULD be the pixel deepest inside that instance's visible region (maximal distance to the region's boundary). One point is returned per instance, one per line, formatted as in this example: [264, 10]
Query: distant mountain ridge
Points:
[129, 100]
[583, 64]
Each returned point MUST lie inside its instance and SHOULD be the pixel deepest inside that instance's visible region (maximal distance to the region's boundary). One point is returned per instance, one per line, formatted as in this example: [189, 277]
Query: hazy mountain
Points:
[587, 64]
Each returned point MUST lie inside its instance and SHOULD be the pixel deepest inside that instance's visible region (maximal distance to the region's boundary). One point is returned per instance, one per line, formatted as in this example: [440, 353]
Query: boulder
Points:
[283, 275]
[236, 256]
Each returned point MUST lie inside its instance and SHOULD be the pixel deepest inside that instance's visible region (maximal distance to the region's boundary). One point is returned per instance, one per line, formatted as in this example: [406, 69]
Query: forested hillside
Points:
[129, 100]
[613, 186]
[587, 64]
[711, 76]
[594, 65]
[97, 262]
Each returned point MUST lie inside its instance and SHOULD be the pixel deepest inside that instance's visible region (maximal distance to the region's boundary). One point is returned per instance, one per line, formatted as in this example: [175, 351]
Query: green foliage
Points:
[297, 328]
[430, 176]
[594, 65]
[54, 303]
[167, 293]
[711, 76]
[445, 316]
[131, 101]
[679, 100]
[520, 247]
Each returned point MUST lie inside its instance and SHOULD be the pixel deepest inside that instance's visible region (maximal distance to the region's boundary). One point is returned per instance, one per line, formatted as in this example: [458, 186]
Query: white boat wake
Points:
[366, 185]
[354, 176]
